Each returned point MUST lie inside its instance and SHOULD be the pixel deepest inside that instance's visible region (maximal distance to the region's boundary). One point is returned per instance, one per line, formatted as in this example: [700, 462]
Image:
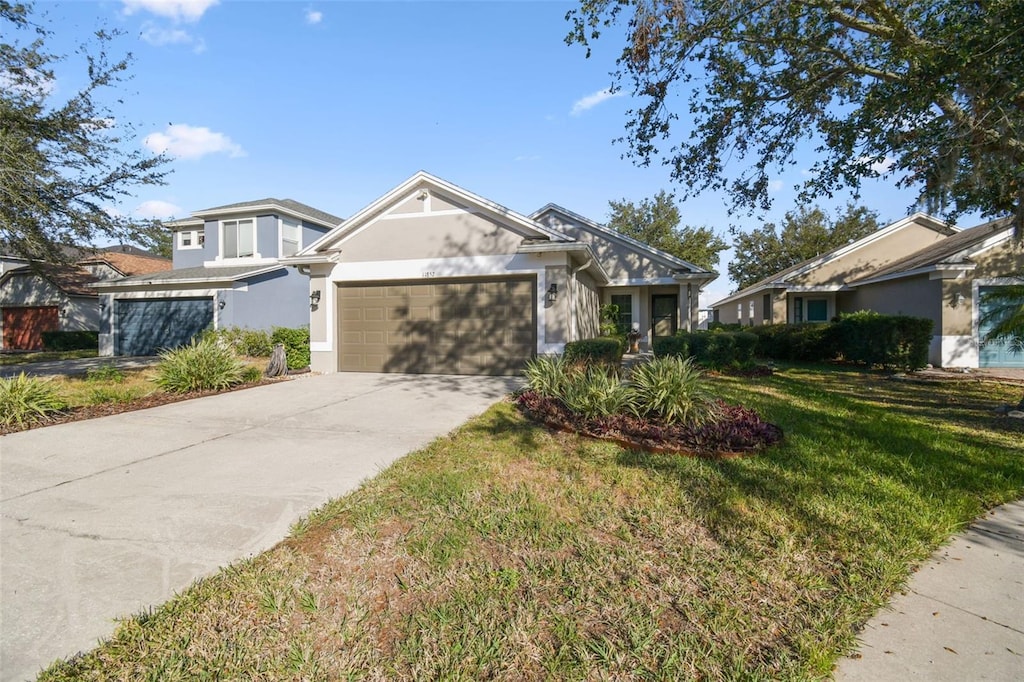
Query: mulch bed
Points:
[154, 399]
[739, 431]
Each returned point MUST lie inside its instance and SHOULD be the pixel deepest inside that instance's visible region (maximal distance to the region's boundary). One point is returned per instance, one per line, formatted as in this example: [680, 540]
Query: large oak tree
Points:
[65, 162]
[927, 91]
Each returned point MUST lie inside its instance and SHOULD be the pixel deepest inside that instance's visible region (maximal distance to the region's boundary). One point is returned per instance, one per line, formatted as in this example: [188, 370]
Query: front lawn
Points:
[507, 551]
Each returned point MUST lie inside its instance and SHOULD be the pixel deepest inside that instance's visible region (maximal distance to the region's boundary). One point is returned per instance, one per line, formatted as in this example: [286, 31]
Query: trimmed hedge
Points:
[61, 341]
[710, 348]
[296, 345]
[603, 350]
[866, 337]
[892, 341]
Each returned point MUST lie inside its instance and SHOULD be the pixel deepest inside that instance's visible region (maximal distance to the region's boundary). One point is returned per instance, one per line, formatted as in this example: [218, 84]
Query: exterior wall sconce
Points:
[958, 298]
[221, 304]
[314, 298]
[552, 293]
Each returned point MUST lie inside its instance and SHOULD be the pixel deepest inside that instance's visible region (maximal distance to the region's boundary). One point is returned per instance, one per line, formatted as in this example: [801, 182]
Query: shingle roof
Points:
[322, 217]
[70, 279]
[943, 251]
[131, 264]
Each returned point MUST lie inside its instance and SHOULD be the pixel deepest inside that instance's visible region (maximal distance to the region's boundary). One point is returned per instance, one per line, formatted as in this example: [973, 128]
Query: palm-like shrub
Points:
[672, 389]
[549, 375]
[595, 393]
[200, 366]
[25, 400]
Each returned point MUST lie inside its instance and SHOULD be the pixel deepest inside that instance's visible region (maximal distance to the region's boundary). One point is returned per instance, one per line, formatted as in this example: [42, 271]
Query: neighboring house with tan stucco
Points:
[917, 266]
[431, 278]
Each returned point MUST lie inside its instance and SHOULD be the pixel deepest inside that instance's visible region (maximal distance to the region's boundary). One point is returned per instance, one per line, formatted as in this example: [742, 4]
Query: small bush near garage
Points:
[200, 366]
[296, 345]
[64, 341]
[603, 351]
[26, 400]
[253, 343]
[717, 349]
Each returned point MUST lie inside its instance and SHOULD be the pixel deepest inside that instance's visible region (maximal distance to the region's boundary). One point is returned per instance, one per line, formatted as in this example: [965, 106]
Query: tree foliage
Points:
[655, 222]
[64, 165]
[155, 237]
[805, 233]
[928, 92]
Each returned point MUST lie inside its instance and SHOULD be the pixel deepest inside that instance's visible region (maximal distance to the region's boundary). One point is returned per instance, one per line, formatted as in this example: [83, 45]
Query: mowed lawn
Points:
[505, 551]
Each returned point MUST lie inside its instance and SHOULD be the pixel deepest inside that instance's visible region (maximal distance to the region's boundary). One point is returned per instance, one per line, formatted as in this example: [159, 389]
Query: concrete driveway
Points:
[103, 518]
[77, 365]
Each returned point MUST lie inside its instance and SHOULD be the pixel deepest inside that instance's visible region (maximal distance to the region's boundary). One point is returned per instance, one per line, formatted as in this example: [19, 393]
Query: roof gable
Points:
[423, 187]
[783, 278]
[608, 234]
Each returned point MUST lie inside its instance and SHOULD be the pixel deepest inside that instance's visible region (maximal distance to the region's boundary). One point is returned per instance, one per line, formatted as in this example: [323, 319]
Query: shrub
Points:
[296, 345]
[548, 375]
[604, 351]
[200, 366]
[892, 341]
[675, 346]
[254, 343]
[61, 341]
[807, 342]
[714, 349]
[252, 374]
[102, 395]
[595, 393]
[673, 390]
[25, 400]
[106, 373]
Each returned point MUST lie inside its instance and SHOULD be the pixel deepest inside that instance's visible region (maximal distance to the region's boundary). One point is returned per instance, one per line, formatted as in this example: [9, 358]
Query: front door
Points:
[664, 315]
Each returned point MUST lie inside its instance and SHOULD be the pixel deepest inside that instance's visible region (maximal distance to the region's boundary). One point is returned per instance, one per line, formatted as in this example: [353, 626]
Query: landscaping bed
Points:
[737, 430]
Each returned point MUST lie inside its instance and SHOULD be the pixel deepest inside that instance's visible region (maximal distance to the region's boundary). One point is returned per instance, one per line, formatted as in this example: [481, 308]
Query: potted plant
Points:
[633, 337]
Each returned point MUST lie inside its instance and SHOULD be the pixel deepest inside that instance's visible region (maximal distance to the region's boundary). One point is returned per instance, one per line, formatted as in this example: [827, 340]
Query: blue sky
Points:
[335, 103]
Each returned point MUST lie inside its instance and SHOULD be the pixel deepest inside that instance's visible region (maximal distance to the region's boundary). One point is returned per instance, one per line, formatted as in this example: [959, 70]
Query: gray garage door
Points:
[441, 327]
[145, 327]
[1000, 352]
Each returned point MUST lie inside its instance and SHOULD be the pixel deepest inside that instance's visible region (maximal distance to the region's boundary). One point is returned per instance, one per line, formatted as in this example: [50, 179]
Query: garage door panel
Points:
[148, 326]
[470, 327]
[24, 326]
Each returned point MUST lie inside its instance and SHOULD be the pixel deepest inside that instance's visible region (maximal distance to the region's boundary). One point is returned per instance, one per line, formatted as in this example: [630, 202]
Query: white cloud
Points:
[775, 185]
[879, 167]
[191, 142]
[592, 100]
[159, 36]
[155, 208]
[313, 16]
[178, 10]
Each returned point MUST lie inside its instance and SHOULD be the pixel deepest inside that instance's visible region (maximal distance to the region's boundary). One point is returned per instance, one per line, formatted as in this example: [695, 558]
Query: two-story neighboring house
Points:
[226, 274]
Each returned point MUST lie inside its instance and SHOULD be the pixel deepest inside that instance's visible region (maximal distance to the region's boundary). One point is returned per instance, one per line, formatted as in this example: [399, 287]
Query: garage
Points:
[24, 326]
[1000, 352]
[147, 326]
[478, 326]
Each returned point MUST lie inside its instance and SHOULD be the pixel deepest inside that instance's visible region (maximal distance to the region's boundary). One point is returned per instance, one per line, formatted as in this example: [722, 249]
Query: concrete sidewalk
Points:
[106, 517]
[962, 616]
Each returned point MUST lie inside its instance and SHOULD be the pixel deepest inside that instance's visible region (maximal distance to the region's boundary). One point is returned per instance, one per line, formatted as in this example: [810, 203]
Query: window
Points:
[291, 236]
[739, 312]
[817, 310]
[239, 238]
[798, 310]
[625, 305]
[191, 239]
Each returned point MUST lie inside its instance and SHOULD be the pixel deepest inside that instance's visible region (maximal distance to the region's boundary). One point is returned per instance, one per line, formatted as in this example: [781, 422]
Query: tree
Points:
[155, 237]
[928, 92]
[1004, 317]
[63, 165]
[806, 233]
[656, 222]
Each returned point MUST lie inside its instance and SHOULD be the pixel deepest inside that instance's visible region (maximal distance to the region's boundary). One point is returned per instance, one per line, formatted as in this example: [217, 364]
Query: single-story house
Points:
[226, 273]
[41, 297]
[431, 278]
[917, 266]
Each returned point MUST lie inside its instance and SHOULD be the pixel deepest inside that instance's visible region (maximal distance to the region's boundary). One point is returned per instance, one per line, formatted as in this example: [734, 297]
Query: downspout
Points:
[572, 297]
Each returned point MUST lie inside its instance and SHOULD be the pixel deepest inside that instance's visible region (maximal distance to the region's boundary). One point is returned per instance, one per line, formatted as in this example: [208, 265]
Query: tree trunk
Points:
[278, 365]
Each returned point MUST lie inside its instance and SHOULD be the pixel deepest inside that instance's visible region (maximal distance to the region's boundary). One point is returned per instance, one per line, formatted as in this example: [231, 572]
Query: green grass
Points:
[506, 551]
[45, 356]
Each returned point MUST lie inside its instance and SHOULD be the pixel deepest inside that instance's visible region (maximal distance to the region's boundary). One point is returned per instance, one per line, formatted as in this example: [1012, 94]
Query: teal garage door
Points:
[147, 326]
[998, 353]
